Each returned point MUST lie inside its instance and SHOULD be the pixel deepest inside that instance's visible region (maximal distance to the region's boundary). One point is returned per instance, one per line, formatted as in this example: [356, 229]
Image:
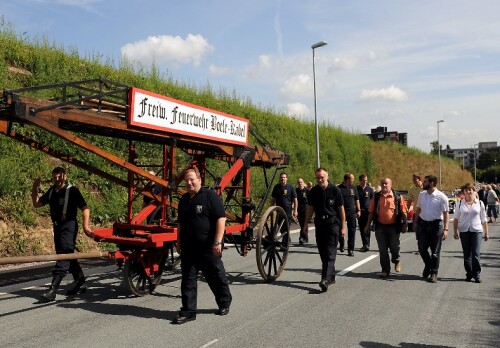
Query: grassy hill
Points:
[32, 62]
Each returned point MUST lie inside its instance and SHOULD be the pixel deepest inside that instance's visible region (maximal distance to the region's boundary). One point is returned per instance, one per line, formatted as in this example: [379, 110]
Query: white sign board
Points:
[154, 111]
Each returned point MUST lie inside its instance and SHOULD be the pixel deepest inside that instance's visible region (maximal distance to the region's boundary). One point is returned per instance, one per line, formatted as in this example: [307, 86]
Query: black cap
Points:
[58, 170]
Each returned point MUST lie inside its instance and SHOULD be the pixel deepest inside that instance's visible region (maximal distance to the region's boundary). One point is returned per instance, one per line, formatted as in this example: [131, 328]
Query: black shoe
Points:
[74, 291]
[350, 253]
[49, 295]
[478, 280]
[301, 241]
[79, 287]
[468, 278]
[223, 311]
[383, 275]
[341, 250]
[184, 319]
[426, 273]
[323, 284]
[433, 278]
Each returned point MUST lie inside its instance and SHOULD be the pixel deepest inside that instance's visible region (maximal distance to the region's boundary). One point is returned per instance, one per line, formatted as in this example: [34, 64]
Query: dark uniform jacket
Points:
[302, 199]
[365, 196]
[350, 195]
[198, 216]
[325, 203]
[284, 195]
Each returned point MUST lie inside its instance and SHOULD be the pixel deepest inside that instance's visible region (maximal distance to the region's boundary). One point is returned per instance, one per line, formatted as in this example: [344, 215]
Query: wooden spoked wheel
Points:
[273, 243]
[135, 278]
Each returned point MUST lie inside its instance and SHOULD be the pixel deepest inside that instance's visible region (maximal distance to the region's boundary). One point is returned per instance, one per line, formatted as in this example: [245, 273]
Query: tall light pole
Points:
[496, 171]
[475, 168]
[316, 45]
[439, 155]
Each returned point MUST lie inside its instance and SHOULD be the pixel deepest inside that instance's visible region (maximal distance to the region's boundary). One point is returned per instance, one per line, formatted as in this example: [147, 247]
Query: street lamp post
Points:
[439, 155]
[496, 171]
[316, 45]
[475, 167]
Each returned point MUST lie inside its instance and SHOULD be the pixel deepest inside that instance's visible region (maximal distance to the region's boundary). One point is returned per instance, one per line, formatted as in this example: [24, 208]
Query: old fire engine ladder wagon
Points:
[110, 109]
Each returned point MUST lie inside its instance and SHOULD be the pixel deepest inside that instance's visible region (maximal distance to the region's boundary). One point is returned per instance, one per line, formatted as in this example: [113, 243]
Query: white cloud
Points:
[392, 93]
[297, 110]
[168, 49]
[456, 113]
[218, 70]
[296, 86]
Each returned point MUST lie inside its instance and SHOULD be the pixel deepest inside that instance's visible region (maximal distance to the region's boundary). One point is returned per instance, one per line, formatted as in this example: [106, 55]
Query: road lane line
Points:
[209, 343]
[356, 265]
[28, 288]
[3, 293]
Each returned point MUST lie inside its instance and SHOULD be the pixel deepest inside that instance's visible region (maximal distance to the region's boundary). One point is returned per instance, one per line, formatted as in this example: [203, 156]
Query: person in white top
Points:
[432, 218]
[470, 220]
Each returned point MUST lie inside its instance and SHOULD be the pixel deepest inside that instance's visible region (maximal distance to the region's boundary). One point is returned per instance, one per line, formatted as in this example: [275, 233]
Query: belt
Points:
[425, 222]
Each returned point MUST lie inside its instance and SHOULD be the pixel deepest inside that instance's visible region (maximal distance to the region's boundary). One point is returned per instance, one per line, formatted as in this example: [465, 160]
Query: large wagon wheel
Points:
[273, 243]
[135, 278]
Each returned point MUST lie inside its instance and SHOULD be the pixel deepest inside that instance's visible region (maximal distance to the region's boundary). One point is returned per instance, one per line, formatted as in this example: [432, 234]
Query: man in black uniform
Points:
[302, 193]
[201, 228]
[365, 194]
[352, 211]
[327, 203]
[64, 200]
[284, 196]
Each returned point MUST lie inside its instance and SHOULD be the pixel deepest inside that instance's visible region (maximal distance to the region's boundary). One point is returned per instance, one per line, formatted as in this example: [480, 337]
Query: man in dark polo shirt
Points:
[284, 196]
[302, 194]
[327, 204]
[64, 201]
[201, 231]
[352, 211]
[365, 194]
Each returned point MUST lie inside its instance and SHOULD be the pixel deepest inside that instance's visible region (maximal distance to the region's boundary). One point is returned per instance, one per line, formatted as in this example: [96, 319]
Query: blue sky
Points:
[400, 64]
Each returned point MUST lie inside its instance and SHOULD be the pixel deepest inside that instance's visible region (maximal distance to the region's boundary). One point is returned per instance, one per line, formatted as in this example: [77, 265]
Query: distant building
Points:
[466, 155]
[381, 134]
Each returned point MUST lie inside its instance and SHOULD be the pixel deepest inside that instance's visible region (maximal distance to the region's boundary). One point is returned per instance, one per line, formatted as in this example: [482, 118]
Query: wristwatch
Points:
[217, 242]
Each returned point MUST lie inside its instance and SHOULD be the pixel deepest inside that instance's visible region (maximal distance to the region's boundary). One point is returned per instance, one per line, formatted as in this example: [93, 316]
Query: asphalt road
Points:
[360, 310]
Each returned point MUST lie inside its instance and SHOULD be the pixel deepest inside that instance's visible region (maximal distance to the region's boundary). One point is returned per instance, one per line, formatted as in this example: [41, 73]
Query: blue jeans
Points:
[430, 238]
[387, 239]
[492, 211]
[471, 246]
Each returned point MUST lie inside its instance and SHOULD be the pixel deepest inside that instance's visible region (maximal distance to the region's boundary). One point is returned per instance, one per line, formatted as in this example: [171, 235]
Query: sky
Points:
[400, 64]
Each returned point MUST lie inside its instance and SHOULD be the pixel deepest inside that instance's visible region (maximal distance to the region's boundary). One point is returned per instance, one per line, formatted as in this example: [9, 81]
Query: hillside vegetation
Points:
[32, 62]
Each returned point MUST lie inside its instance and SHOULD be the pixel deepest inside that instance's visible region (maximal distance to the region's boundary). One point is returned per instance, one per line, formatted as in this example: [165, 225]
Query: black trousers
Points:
[193, 261]
[363, 219]
[327, 236]
[429, 243]
[65, 234]
[388, 239]
[302, 222]
[351, 233]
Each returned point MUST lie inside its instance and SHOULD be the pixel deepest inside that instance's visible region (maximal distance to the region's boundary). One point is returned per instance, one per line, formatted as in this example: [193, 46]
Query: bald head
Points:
[386, 185]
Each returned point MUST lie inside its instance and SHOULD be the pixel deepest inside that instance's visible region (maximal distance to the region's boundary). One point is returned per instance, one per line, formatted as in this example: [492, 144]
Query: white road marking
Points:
[356, 265]
[28, 288]
[3, 293]
[209, 343]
